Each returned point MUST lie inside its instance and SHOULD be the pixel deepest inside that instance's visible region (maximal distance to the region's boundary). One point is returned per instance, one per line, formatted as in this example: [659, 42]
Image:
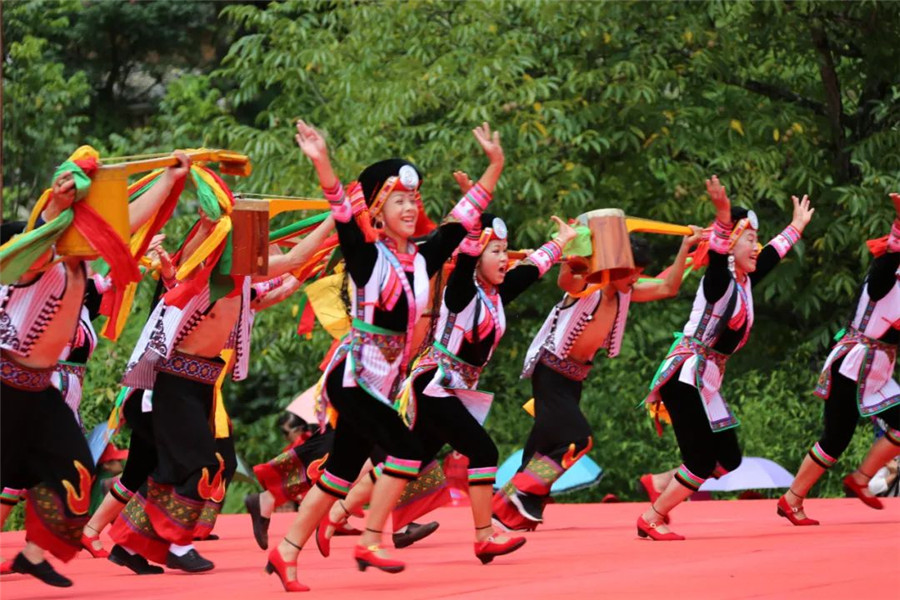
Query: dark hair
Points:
[373, 177]
[640, 250]
[291, 420]
[738, 213]
[11, 228]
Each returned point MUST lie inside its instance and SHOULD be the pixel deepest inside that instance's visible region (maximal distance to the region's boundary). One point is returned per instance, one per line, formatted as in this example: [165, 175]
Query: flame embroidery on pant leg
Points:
[214, 490]
[316, 468]
[570, 457]
[79, 501]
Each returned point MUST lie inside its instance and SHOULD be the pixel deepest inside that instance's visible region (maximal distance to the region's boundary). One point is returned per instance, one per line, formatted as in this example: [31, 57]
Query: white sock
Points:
[127, 549]
[403, 529]
[180, 550]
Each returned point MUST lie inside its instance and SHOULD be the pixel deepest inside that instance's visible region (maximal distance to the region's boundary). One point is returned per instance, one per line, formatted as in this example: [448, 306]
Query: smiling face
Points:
[746, 251]
[494, 262]
[399, 215]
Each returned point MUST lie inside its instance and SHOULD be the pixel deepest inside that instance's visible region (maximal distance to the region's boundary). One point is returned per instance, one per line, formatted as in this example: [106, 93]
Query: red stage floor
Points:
[735, 549]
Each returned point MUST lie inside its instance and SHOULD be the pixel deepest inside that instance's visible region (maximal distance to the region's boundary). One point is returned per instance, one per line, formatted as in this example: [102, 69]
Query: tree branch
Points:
[776, 93]
[834, 104]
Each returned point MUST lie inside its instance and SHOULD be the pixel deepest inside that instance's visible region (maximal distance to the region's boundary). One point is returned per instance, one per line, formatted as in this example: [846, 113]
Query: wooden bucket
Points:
[611, 245]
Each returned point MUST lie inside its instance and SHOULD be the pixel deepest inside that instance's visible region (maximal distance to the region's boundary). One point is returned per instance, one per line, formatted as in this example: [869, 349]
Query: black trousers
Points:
[558, 420]
[364, 422]
[701, 449]
[42, 448]
[142, 449]
[444, 420]
[842, 413]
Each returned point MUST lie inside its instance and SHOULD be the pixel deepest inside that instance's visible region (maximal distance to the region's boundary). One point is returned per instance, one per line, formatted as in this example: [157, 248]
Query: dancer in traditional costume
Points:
[689, 379]
[558, 361]
[857, 381]
[388, 289]
[178, 357]
[441, 393]
[43, 448]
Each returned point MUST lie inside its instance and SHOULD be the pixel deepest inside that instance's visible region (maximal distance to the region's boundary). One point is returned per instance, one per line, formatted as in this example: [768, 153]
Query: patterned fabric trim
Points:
[333, 485]
[195, 368]
[784, 241]
[566, 367]
[172, 515]
[468, 210]
[719, 240]
[24, 378]
[120, 492]
[11, 496]
[545, 257]
[851, 338]
[893, 436]
[688, 479]
[820, 457]
[482, 476]
[339, 203]
[399, 467]
[48, 524]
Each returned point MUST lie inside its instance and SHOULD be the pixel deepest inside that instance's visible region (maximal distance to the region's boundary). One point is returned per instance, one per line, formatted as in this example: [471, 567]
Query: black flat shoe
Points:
[260, 523]
[42, 571]
[210, 538]
[414, 532]
[135, 562]
[191, 562]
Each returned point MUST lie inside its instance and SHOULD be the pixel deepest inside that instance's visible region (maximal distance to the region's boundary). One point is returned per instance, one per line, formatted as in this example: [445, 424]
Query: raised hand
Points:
[802, 212]
[181, 169]
[694, 238]
[63, 191]
[311, 142]
[896, 198]
[490, 143]
[566, 232]
[463, 181]
[719, 198]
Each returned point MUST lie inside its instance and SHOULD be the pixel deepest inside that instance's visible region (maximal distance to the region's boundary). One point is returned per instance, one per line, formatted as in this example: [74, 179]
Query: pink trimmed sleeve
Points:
[468, 210]
[545, 257]
[339, 202]
[784, 241]
[718, 239]
[893, 243]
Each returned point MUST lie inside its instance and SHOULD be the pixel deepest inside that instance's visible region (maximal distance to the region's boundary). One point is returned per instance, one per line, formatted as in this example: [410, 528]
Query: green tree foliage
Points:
[626, 104]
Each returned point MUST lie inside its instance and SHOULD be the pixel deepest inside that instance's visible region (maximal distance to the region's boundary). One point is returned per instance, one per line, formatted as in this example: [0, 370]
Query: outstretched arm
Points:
[536, 264]
[782, 243]
[300, 253]
[359, 255]
[668, 287]
[288, 286]
[140, 211]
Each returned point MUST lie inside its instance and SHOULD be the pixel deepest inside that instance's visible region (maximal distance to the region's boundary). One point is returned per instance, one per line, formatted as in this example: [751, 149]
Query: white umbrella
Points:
[755, 473]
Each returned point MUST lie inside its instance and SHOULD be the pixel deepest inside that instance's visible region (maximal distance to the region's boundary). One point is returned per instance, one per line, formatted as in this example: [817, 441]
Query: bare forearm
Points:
[140, 211]
[302, 252]
[491, 175]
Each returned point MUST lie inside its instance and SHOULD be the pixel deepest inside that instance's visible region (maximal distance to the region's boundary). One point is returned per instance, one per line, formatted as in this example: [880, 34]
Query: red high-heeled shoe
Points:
[790, 513]
[366, 557]
[323, 543]
[278, 565]
[647, 482]
[856, 489]
[648, 530]
[88, 544]
[486, 550]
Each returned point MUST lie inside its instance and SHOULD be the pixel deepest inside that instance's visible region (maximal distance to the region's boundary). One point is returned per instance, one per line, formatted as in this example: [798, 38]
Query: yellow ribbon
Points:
[220, 415]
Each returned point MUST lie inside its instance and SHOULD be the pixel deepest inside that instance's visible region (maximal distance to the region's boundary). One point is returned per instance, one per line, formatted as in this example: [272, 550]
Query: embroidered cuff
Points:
[719, 239]
[784, 241]
[340, 204]
[894, 237]
[545, 257]
[468, 210]
[264, 287]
